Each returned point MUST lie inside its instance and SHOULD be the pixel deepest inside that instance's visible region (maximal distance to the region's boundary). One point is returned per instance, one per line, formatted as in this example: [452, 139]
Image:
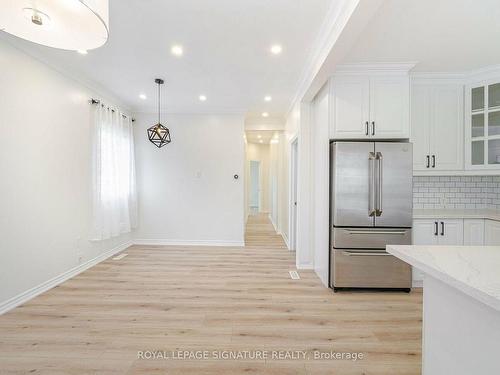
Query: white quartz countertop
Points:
[456, 214]
[474, 270]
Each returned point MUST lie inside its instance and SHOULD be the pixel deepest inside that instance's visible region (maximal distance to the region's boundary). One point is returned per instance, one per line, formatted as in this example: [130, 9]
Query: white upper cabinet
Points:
[437, 126]
[389, 107]
[421, 126]
[370, 106]
[482, 131]
[350, 107]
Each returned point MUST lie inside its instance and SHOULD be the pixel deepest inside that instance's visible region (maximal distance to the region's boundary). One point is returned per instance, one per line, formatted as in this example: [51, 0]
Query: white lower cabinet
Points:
[436, 232]
[473, 232]
[491, 233]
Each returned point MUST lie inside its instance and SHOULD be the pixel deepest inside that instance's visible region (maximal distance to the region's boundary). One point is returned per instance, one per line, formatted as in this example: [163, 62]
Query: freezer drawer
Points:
[368, 269]
[369, 238]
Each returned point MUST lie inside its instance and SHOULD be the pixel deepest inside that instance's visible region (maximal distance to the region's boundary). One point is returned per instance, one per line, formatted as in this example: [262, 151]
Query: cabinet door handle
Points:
[442, 228]
[367, 126]
[373, 127]
[435, 228]
[428, 161]
[433, 161]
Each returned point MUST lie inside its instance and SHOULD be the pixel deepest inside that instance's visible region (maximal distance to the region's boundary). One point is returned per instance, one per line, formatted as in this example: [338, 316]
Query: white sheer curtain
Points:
[113, 175]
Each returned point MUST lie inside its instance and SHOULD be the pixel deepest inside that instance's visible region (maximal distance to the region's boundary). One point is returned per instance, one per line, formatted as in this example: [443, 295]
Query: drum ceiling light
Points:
[64, 24]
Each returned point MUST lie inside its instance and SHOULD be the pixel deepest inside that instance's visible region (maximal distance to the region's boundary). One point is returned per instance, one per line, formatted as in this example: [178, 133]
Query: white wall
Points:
[298, 126]
[45, 192]
[187, 193]
[321, 184]
[261, 153]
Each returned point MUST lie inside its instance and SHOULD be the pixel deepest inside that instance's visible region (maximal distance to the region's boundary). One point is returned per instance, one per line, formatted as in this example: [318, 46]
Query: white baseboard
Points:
[165, 242]
[417, 284]
[305, 266]
[273, 223]
[285, 238]
[49, 284]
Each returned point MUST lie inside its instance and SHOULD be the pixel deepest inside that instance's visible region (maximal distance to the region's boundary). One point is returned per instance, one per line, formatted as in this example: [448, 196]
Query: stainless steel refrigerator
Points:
[370, 207]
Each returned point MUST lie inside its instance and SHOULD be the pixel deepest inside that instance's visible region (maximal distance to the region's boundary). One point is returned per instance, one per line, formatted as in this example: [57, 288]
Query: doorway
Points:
[294, 152]
[254, 193]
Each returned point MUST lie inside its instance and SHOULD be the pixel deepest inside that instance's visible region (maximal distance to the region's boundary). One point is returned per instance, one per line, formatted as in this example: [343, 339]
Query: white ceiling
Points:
[441, 35]
[226, 53]
[261, 137]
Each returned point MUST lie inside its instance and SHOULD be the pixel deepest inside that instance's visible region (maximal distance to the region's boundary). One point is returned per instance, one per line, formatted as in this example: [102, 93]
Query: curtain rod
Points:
[97, 101]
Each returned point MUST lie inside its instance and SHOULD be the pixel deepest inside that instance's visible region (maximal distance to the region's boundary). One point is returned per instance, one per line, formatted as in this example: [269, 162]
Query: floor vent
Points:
[294, 275]
[119, 257]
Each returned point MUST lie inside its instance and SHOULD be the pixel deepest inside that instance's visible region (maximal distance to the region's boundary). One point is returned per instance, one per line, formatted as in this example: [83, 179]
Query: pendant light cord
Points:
[159, 100]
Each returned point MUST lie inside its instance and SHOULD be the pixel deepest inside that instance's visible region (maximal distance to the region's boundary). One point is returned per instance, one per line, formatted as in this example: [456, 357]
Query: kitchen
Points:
[448, 112]
[311, 196]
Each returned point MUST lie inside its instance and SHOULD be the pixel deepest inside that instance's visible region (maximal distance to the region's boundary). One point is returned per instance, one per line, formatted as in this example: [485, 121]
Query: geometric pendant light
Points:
[158, 134]
[67, 24]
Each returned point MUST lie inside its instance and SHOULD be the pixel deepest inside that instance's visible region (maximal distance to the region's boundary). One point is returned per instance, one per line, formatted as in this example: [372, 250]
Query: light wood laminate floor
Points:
[212, 299]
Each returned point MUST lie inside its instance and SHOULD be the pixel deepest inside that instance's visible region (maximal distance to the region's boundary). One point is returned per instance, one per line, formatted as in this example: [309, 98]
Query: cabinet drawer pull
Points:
[442, 228]
[433, 161]
[435, 228]
[428, 161]
[367, 126]
[373, 127]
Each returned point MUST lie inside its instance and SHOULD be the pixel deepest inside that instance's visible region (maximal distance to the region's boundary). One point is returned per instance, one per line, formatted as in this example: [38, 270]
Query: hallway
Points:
[260, 233]
[212, 299]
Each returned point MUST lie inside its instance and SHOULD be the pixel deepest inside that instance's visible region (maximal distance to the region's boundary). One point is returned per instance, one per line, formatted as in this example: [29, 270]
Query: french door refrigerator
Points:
[370, 207]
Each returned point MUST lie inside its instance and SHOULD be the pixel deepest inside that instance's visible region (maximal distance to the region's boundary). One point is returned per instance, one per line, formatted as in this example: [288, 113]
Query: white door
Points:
[389, 107]
[451, 232]
[424, 232]
[492, 233]
[350, 107]
[447, 128]
[473, 232]
[293, 193]
[420, 126]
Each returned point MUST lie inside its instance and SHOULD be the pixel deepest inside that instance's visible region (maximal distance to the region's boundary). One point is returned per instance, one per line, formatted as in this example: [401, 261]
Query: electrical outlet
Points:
[79, 252]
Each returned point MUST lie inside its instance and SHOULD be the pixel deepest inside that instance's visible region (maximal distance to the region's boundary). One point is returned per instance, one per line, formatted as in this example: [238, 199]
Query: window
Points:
[113, 175]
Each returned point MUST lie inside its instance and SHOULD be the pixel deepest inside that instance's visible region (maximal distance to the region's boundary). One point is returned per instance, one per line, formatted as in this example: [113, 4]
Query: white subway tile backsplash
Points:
[456, 192]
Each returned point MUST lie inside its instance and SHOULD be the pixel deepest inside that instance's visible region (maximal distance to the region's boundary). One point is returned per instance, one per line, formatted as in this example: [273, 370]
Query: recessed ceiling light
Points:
[268, 98]
[259, 136]
[202, 98]
[276, 49]
[177, 50]
[265, 114]
[143, 96]
[261, 141]
[82, 51]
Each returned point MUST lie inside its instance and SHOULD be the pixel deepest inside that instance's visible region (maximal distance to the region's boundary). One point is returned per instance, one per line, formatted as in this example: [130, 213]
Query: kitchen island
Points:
[461, 317]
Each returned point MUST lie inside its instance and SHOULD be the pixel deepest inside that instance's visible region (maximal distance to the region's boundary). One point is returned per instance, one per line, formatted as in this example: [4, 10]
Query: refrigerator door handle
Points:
[372, 232]
[371, 184]
[378, 206]
[365, 254]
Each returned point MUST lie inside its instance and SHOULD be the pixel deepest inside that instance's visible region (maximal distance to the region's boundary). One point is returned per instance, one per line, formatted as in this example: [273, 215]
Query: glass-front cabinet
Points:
[483, 125]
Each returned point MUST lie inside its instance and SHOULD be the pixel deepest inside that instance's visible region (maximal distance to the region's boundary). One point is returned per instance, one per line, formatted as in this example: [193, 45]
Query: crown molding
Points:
[376, 68]
[484, 73]
[336, 18]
